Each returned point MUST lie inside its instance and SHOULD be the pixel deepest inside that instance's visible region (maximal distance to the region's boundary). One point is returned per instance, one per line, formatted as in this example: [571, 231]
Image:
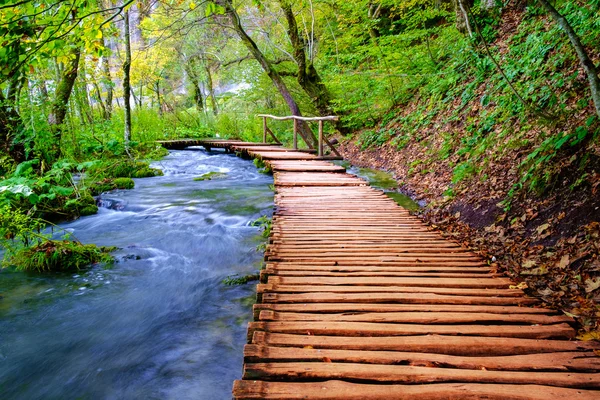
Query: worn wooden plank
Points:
[471, 346]
[337, 390]
[360, 329]
[419, 318]
[414, 375]
[558, 361]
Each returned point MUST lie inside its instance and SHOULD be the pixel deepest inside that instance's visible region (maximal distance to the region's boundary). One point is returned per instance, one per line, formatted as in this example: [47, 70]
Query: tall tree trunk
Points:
[107, 83]
[100, 101]
[462, 17]
[584, 59]
[275, 77]
[11, 124]
[308, 77]
[211, 90]
[58, 109]
[190, 69]
[127, 81]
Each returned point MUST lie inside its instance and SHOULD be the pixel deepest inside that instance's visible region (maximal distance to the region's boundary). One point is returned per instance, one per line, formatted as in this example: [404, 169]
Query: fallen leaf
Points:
[536, 271]
[564, 261]
[592, 284]
[542, 228]
[528, 264]
[594, 335]
[522, 285]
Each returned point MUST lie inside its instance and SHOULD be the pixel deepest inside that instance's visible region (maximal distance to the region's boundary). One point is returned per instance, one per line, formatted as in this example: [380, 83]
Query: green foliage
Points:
[123, 168]
[264, 223]
[63, 256]
[27, 248]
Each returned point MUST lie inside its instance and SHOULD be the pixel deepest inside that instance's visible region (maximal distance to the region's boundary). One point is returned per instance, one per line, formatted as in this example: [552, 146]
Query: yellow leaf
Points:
[594, 335]
[542, 228]
[99, 34]
[192, 5]
[564, 261]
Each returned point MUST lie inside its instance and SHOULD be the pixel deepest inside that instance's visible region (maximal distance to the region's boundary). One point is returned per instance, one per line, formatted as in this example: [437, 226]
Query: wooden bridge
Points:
[361, 300]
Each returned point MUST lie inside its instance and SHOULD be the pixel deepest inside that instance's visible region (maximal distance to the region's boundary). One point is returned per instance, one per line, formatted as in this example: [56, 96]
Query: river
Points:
[159, 323]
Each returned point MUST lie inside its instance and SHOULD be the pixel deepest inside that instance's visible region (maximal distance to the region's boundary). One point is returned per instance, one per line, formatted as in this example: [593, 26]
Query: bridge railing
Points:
[321, 138]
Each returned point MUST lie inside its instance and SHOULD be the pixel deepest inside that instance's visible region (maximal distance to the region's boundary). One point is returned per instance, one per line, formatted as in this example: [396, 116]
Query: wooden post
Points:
[320, 138]
[264, 129]
[295, 134]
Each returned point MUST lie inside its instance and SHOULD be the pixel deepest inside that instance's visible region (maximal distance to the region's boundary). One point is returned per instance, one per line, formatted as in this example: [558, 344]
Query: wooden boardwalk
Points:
[361, 300]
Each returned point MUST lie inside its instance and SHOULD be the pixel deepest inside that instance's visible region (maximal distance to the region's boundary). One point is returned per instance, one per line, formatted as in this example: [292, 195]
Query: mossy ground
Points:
[58, 255]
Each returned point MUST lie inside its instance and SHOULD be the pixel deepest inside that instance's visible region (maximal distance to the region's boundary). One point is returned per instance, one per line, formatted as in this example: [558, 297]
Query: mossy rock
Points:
[102, 186]
[124, 183]
[210, 176]
[124, 169]
[146, 172]
[81, 206]
[108, 184]
[59, 255]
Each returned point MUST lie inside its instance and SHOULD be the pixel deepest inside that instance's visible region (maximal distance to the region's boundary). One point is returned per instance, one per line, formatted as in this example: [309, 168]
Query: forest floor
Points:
[549, 245]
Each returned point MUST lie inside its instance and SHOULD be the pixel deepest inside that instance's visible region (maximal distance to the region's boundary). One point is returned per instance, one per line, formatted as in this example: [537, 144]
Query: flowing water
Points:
[385, 181]
[159, 323]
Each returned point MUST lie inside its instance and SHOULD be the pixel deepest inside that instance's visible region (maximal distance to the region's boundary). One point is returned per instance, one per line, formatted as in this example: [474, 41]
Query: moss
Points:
[124, 183]
[83, 205]
[59, 255]
[146, 172]
[240, 280]
[210, 176]
[108, 184]
[102, 186]
[124, 169]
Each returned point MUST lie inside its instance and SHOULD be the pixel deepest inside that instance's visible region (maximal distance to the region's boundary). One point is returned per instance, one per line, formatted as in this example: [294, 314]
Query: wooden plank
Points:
[360, 329]
[559, 361]
[500, 283]
[337, 390]
[326, 308]
[414, 375]
[471, 346]
[273, 288]
[419, 318]
[402, 298]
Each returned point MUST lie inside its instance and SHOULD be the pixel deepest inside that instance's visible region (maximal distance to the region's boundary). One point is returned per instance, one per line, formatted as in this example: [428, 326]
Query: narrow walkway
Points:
[360, 300]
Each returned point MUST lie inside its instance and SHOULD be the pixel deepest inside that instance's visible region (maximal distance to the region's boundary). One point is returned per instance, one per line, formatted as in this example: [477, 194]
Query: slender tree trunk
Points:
[462, 17]
[108, 84]
[58, 109]
[308, 77]
[10, 125]
[211, 90]
[190, 69]
[160, 106]
[275, 77]
[584, 59]
[100, 102]
[127, 81]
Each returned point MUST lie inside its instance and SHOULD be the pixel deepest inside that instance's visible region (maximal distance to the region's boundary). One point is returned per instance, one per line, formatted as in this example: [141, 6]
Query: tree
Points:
[127, 80]
[234, 18]
[308, 77]
[584, 59]
[58, 109]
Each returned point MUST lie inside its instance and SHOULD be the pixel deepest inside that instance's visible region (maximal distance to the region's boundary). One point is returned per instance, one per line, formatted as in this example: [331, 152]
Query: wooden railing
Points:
[321, 138]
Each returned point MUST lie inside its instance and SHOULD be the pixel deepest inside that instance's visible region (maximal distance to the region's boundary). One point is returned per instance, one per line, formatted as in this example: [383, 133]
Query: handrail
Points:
[297, 118]
[307, 119]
